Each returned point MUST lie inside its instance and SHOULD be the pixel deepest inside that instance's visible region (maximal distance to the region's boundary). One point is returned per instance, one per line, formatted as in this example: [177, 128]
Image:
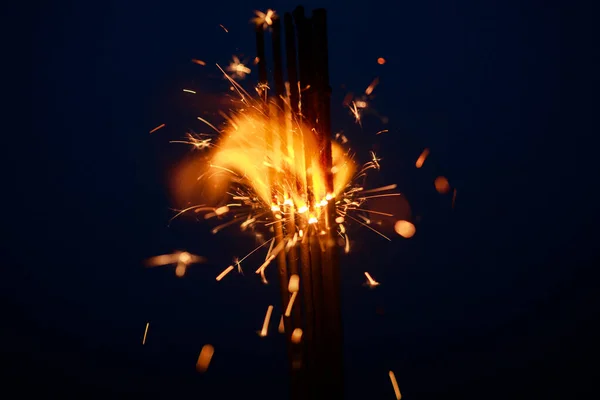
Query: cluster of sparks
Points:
[271, 168]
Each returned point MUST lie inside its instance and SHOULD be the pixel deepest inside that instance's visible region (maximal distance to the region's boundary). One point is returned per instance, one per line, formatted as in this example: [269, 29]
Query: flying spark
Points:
[395, 385]
[204, 358]
[145, 333]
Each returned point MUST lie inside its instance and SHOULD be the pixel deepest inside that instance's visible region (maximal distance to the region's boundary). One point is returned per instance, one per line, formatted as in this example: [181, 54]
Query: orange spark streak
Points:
[371, 86]
[281, 327]
[382, 131]
[296, 336]
[145, 333]
[204, 358]
[288, 311]
[199, 62]
[372, 282]
[265, 326]
[225, 29]
[395, 385]
[158, 127]
[225, 272]
[422, 158]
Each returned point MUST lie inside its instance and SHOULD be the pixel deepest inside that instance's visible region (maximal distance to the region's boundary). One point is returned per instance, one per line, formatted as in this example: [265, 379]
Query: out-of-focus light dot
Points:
[442, 185]
[405, 229]
[381, 61]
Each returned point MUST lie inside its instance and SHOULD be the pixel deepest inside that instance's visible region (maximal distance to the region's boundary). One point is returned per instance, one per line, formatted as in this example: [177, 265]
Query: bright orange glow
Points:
[405, 229]
[204, 358]
[158, 127]
[395, 385]
[288, 310]
[442, 185]
[270, 157]
[381, 61]
[199, 62]
[296, 336]
[281, 327]
[238, 69]
[422, 158]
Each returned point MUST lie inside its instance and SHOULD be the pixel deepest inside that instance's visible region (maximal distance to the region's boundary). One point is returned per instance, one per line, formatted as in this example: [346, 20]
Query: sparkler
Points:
[282, 173]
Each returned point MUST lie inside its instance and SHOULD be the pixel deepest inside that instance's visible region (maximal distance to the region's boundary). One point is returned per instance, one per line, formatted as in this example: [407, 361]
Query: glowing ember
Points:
[189, 91]
[225, 29]
[297, 336]
[442, 185]
[422, 158]
[204, 358]
[199, 62]
[405, 229]
[381, 61]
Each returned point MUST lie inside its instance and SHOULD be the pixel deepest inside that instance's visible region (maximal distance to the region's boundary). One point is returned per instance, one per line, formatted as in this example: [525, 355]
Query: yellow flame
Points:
[279, 160]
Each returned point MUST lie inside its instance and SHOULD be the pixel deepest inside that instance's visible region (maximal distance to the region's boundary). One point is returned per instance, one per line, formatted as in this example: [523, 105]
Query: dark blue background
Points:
[491, 299]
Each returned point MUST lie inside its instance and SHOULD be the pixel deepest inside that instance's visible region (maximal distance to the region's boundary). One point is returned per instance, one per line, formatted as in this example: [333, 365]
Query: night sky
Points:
[492, 299]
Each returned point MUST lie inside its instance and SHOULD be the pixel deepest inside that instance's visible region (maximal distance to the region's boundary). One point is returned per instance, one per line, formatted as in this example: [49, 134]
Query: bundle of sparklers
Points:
[282, 174]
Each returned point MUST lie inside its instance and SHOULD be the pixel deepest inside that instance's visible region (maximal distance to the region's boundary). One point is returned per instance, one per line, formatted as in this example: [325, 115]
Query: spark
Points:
[293, 287]
[145, 333]
[158, 127]
[374, 230]
[281, 327]
[405, 229]
[238, 69]
[204, 358]
[209, 124]
[265, 326]
[225, 272]
[197, 141]
[296, 336]
[225, 29]
[442, 185]
[380, 189]
[381, 61]
[199, 62]
[173, 258]
[422, 158]
[381, 131]
[395, 385]
[355, 112]
[264, 19]
[371, 86]
[371, 282]
[189, 91]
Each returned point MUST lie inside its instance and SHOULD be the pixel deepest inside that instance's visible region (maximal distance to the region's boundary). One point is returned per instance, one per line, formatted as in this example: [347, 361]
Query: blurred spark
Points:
[199, 62]
[158, 127]
[145, 333]
[189, 91]
[204, 358]
[371, 282]
[422, 158]
[225, 29]
[265, 326]
[395, 385]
